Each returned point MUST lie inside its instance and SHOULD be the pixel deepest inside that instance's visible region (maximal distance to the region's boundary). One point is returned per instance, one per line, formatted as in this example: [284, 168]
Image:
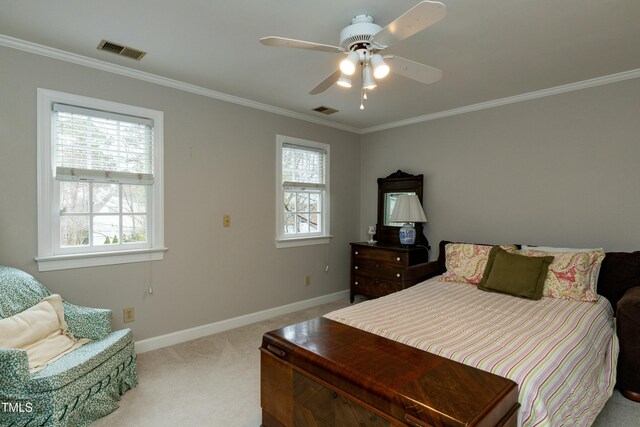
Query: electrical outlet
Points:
[226, 221]
[129, 314]
[307, 280]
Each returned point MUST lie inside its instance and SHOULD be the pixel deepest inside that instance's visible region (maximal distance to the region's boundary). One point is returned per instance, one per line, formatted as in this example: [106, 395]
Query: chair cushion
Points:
[41, 331]
[79, 362]
[19, 291]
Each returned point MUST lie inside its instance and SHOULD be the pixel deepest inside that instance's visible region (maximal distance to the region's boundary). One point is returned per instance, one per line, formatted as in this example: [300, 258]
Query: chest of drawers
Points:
[378, 270]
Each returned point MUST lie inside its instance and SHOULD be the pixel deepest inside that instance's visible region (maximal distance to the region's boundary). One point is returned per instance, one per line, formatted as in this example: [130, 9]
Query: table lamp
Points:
[408, 210]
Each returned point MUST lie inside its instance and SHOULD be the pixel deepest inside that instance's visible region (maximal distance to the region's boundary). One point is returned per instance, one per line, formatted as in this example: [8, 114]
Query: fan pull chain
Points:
[363, 94]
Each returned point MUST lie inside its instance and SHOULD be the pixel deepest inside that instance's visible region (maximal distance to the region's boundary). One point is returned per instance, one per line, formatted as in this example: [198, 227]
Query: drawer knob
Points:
[398, 275]
[398, 259]
[356, 267]
[356, 252]
[356, 283]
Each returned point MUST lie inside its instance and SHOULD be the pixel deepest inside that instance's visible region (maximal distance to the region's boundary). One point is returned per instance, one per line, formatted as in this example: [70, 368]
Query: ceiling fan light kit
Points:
[363, 39]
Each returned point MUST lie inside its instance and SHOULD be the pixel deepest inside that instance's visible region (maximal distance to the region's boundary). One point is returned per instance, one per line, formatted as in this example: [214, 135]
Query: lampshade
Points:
[367, 79]
[348, 65]
[408, 209]
[344, 81]
[380, 68]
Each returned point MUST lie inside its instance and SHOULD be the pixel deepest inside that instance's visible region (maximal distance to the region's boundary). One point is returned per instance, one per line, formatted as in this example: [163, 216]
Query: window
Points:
[100, 196]
[302, 192]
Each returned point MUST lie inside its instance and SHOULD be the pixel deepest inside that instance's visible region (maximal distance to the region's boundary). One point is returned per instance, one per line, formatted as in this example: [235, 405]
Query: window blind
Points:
[100, 146]
[303, 167]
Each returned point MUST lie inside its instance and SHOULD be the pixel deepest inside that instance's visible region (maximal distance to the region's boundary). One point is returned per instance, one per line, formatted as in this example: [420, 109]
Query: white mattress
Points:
[561, 353]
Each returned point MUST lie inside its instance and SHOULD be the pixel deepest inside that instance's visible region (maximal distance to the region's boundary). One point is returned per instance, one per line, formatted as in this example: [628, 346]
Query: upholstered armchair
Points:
[75, 389]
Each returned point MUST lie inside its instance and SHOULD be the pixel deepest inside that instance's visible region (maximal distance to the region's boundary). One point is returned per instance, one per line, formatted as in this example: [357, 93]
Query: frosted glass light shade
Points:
[367, 78]
[348, 65]
[408, 209]
[344, 81]
[380, 68]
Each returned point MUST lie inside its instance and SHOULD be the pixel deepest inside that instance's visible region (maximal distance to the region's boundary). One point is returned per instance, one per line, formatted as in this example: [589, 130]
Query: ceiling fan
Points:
[362, 42]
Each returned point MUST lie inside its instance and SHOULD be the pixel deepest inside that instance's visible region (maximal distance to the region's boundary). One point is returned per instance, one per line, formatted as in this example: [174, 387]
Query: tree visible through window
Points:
[100, 181]
[99, 158]
[113, 213]
[303, 178]
[303, 193]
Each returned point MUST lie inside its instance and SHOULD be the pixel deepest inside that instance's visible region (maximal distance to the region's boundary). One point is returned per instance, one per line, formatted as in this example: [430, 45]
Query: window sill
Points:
[302, 241]
[95, 259]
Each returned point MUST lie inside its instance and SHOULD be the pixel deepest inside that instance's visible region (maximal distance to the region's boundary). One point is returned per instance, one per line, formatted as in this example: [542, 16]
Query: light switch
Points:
[226, 221]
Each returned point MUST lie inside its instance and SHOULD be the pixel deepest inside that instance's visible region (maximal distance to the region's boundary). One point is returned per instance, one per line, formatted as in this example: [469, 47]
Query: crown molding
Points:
[85, 61]
[50, 52]
[598, 81]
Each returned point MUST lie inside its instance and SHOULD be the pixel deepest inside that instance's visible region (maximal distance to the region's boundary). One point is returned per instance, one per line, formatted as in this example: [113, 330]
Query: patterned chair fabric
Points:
[76, 389]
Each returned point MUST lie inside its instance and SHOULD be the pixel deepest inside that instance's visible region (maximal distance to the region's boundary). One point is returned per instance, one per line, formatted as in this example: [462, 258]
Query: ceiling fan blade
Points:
[299, 44]
[413, 70]
[326, 83]
[416, 19]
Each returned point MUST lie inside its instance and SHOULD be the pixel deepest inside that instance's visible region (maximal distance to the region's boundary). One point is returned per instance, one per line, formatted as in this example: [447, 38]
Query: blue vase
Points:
[407, 234]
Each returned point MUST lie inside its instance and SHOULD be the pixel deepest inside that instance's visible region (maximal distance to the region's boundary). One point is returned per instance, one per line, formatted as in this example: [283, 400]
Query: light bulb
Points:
[362, 106]
[380, 68]
[348, 65]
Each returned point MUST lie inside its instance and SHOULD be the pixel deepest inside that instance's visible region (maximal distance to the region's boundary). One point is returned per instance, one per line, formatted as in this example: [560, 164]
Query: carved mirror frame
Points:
[397, 182]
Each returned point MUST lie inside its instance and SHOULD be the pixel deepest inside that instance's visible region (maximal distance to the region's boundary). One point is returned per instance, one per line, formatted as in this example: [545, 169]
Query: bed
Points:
[483, 337]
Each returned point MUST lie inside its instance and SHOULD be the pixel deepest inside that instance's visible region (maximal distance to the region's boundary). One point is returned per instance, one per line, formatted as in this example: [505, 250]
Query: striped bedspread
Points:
[561, 353]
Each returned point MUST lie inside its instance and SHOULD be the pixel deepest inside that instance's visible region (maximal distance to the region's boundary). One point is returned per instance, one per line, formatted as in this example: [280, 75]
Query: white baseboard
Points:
[178, 337]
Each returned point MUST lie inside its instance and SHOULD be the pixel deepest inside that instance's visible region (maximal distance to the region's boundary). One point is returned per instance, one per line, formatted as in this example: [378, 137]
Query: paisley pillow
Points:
[465, 262]
[572, 275]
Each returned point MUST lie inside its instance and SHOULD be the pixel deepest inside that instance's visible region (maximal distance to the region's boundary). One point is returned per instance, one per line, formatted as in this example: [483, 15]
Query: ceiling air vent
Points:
[121, 50]
[325, 110]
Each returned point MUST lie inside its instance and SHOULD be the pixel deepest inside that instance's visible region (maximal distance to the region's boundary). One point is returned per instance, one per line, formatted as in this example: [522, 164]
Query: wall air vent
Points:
[121, 50]
[325, 110]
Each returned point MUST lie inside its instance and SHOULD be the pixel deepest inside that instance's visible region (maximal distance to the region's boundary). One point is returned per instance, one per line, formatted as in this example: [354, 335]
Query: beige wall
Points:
[561, 170]
[219, 159]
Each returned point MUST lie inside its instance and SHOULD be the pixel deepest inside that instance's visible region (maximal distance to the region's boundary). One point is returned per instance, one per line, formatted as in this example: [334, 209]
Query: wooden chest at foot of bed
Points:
[325, 373]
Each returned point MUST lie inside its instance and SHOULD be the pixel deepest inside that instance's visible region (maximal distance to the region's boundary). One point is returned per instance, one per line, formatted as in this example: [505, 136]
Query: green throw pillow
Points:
[514, 274]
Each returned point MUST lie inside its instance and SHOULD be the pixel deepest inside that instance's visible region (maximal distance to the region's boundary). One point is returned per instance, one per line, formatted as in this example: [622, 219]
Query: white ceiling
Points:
[487, 49]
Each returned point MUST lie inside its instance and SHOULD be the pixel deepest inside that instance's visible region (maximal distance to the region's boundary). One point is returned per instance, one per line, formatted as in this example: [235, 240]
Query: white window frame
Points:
[50, 256]
[283, 241]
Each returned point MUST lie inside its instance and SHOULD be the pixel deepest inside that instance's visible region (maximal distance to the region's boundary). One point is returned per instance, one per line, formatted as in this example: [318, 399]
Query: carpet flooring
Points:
[214, 381]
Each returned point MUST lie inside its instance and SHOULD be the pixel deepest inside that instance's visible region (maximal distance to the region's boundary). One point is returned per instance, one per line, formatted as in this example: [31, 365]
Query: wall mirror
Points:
[389, 189]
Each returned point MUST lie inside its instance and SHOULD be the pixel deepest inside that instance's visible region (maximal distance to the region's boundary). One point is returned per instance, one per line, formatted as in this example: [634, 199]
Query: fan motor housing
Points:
[360, 31]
